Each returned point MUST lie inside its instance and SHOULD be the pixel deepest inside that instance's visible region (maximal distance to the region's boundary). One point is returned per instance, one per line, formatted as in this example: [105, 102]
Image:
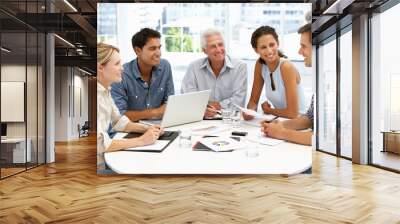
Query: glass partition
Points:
[385, 89]
[22, 89]
[327, 96]
[346, 94]
[13, 89]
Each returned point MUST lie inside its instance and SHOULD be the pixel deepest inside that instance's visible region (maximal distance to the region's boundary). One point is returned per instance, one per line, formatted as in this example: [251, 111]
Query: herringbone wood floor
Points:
[69, 191]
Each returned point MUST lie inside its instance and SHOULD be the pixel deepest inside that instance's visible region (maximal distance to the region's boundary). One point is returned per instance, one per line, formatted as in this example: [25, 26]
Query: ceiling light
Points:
[70, 5]
[337, 7]
[5, 50]
[84, 71]
[64, 40]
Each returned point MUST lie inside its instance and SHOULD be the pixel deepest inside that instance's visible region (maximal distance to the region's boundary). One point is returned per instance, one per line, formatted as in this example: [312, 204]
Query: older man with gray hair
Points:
[226, 77]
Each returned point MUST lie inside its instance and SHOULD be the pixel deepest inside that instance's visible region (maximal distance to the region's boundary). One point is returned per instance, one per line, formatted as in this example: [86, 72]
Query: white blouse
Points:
[107, 113]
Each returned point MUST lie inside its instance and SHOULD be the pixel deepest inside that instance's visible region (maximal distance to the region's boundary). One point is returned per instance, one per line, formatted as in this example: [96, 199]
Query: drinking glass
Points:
[226, 116]
[185, 139]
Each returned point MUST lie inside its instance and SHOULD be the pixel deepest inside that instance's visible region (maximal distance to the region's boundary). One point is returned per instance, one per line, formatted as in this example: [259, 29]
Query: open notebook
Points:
[159, 146]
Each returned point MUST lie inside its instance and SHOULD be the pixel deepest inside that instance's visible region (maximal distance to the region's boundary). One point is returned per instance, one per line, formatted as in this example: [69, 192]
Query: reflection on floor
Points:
[10, 169]
[386, 159]
[70, 191]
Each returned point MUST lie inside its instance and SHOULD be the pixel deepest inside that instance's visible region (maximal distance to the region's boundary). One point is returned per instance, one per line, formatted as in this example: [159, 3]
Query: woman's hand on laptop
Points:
[151, 135]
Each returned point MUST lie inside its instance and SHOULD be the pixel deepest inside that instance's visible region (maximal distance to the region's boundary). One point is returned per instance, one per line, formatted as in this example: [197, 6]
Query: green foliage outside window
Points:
[175, 41]
[173, 44]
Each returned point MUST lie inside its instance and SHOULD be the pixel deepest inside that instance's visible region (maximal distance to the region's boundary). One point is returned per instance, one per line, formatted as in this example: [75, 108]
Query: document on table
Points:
[159, 145]
[209, 129]
[254, 122]
[255, 114]
[265, 140]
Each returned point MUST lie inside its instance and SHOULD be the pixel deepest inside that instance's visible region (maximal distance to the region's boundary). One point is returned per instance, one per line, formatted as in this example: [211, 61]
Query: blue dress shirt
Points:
[229, 87]
[133, 93]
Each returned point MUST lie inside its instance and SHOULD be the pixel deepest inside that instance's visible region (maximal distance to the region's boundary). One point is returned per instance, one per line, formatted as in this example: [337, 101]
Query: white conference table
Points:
[284, 158]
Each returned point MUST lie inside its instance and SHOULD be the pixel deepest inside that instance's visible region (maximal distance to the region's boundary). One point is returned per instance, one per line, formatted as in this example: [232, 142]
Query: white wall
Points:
[33, 127]
[61, 103]
[71, 94]
[16, 73]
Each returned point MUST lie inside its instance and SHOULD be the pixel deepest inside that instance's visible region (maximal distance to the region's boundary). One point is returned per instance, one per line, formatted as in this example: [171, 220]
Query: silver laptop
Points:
[183, 108]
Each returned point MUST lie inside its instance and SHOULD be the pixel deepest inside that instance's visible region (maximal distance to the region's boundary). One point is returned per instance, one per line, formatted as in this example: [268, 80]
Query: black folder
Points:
[168, 135]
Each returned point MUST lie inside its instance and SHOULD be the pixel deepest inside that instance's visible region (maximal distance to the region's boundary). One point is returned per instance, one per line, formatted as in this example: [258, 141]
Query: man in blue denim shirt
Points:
[146, 81]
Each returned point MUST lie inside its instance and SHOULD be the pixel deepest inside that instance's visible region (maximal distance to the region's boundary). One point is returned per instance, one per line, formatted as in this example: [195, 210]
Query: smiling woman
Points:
[181, 26]
[282, 81]
[109, 71]
[188, 47]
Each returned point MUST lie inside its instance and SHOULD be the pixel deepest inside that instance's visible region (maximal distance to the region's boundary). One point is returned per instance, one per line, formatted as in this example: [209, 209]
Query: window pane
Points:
[181, 24]
[385, 89]
[327, 97]
[346, 94]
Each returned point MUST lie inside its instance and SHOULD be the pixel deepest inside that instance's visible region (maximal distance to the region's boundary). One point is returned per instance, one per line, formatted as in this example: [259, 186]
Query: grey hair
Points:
[208, 32]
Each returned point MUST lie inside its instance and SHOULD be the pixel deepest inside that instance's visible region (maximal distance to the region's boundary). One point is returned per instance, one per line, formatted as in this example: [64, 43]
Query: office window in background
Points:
[327, 96]
[181, 24]
[346, 93]
[385, 89]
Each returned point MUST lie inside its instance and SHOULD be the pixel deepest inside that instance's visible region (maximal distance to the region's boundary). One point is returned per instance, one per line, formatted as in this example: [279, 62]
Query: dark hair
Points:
[140, 38]
[305, 29]
[261, 31]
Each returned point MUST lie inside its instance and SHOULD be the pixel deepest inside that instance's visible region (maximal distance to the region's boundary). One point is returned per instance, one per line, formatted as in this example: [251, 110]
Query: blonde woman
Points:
[109, 70]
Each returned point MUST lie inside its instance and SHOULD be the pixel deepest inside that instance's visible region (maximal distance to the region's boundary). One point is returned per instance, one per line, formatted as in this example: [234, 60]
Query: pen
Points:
[213, 109]
[270, 121]
[276, 117]
[145, 123]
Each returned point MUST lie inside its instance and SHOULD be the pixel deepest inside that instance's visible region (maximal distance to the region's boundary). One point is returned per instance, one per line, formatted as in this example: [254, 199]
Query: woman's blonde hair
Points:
[105, 52]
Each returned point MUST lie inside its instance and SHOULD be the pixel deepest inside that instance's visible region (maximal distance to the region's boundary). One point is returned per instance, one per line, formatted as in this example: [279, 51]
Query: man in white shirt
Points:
[226, 77]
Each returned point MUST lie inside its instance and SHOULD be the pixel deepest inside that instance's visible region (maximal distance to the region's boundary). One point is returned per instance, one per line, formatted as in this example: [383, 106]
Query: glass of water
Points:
[226, 116]
[185, 139]
[235, 118]
[253, 145]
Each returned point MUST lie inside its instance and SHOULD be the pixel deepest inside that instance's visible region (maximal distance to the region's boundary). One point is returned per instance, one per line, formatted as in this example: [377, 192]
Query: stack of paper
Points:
[256, 115]
[265, 140]
[254, 122]
[209, 129]
[157, 146]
